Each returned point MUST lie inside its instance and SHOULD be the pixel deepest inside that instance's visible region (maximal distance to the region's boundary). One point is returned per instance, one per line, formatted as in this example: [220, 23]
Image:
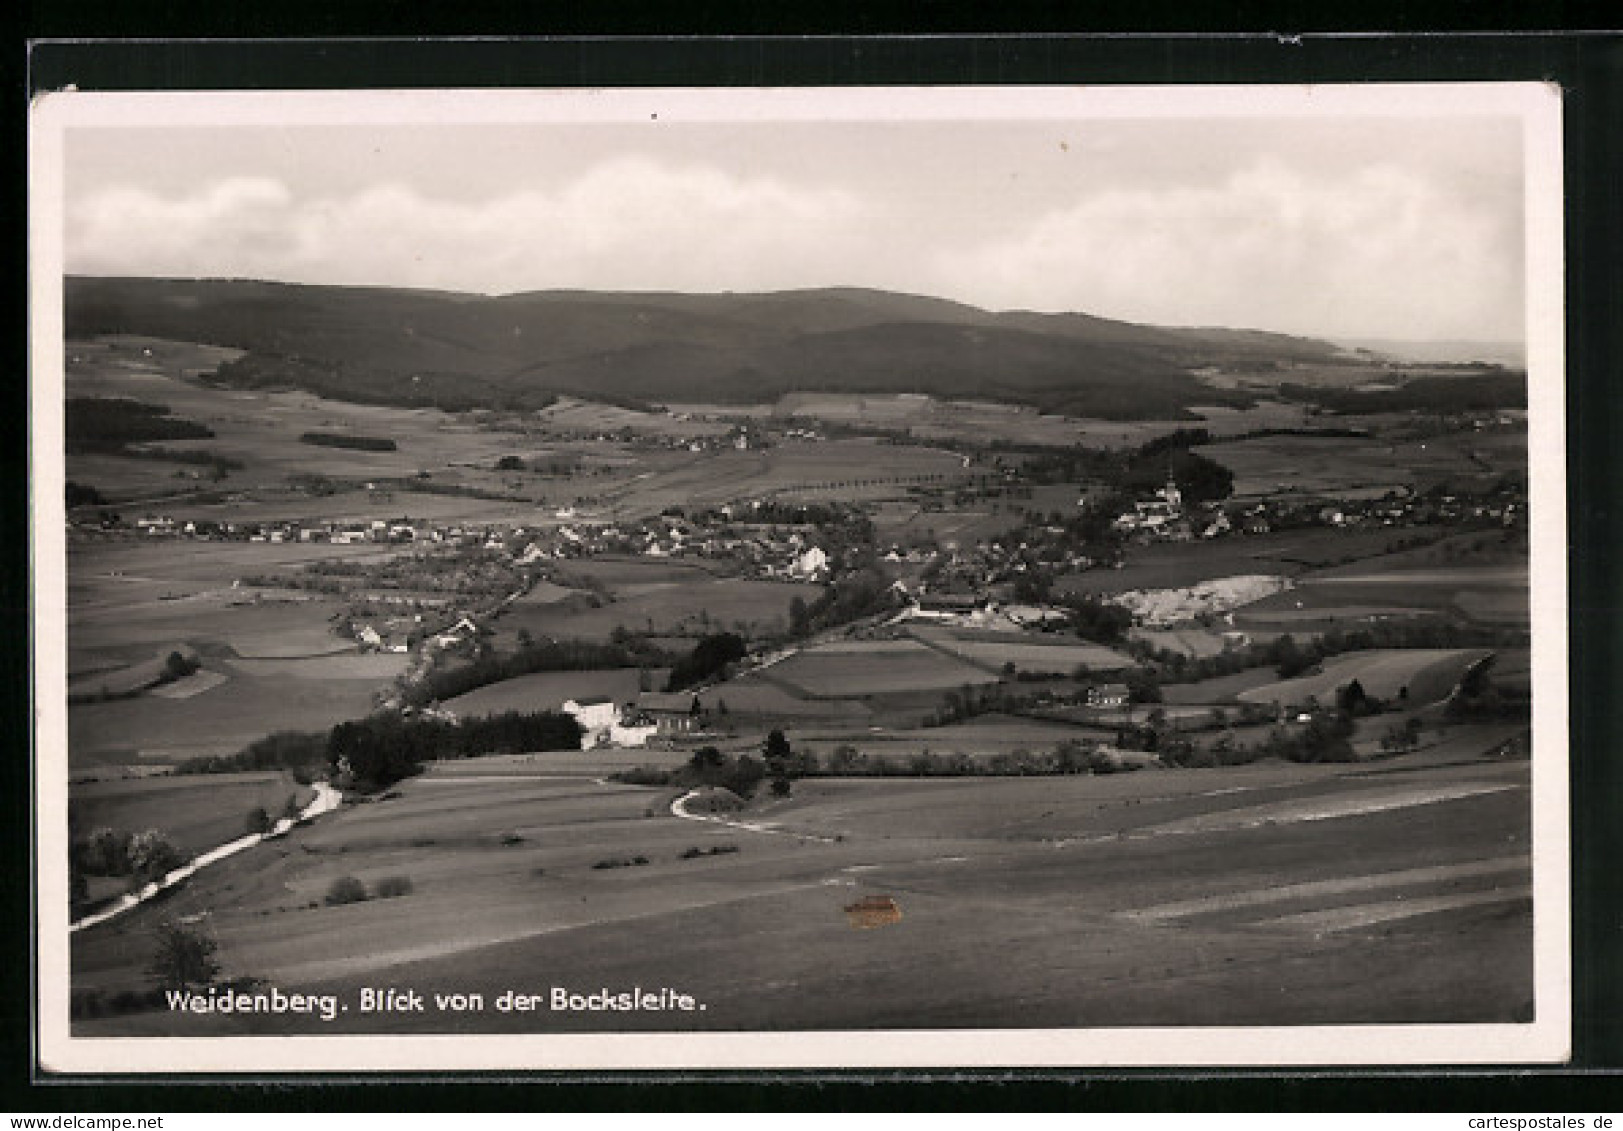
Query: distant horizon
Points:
[1310, 211]
[1502, 346]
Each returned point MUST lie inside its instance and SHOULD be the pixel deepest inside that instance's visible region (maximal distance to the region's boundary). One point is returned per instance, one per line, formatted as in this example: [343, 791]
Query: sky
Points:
[1405, 226]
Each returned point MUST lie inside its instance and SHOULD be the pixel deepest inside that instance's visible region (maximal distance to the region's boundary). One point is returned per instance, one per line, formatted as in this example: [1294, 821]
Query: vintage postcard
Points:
[965, 577]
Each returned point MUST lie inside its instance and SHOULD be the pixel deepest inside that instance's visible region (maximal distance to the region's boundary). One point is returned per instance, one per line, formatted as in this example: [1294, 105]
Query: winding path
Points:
[679, 808]
[325, 801]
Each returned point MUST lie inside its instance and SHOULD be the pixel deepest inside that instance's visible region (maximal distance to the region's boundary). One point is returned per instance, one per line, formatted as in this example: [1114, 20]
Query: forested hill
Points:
[414, 347]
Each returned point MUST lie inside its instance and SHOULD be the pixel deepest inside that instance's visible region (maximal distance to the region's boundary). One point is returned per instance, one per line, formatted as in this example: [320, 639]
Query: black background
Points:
[82, 44]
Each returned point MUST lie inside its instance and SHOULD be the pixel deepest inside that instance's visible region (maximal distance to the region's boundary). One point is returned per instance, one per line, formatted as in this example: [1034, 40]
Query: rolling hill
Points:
[414, 347]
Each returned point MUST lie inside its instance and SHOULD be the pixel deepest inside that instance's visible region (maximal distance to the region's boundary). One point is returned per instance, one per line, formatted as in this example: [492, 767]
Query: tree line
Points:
[384, 748]
[378, 751]
[626, 651]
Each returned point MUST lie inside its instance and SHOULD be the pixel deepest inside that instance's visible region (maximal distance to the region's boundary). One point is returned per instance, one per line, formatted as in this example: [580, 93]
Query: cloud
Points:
[1365, 247]
[1383, 251]
[627, 223]
[122, 229]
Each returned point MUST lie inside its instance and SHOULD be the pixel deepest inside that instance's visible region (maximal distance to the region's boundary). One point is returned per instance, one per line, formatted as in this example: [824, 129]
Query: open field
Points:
[1222, 689]
[360, 504]
[572, 415]
[125, 595]
[904, 524]
[1428, 674]
[1288, 553]
[196, 812]
[980, 422]
[260, 429]
[1492, 594]
[375, 667]
[1027, 652]
[1200, 642]
[866, 469]
[658, 599]
[1470, 549]
[118, 679]
[755, 696]
[154, 730]
[270, 661]
[546, 691]
[1336, 466]
[979, 738]
[1266, 894]
[875, 667]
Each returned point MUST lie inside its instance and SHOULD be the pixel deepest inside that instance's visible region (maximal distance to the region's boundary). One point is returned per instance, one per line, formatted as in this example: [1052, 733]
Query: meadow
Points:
[1265, 894]
[261, 429]
[1491, 594]
[754, 697]
[1288, 553]
[979, 422]
[196, 813]
[651, 597]
[1334, 466]
[1046, 655]
[1428, 674]
[269, 659]
[877, 667]
[153, 731]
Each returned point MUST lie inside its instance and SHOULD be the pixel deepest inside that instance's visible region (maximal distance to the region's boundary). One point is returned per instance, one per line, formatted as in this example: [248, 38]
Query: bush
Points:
[344, 440]
[641, 775]
[621, 862]
[152, 855]
[258, 820]
[715, 850]
[184, 957]
[709, 657]
[391, 887]
[346, 889]
[177, 665]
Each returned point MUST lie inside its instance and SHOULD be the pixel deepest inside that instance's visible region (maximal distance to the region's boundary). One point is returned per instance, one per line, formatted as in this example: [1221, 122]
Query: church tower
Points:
[1170, 492]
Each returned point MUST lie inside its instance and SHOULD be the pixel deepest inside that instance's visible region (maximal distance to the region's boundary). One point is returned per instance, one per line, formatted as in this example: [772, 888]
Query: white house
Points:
[597, 716]
[812, 563]
[632, 734]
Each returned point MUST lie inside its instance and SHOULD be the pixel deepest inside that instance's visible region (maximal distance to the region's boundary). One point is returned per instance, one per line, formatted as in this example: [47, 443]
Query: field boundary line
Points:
[1370, 914]
[1375, 881]
[937, 646]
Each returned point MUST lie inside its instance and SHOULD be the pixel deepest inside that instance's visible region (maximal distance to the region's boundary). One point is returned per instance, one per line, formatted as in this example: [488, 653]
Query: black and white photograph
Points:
[566, 579]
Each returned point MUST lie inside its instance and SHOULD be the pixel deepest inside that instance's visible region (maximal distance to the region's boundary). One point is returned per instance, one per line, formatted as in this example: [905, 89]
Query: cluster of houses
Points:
[371, 639]
[1165, 517]
[652, 714]
[769, 552]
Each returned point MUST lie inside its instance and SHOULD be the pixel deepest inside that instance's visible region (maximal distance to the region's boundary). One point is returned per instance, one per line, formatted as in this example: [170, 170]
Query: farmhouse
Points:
[1108, 695]
[463, 629]
[670, 712]
[597, 716]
